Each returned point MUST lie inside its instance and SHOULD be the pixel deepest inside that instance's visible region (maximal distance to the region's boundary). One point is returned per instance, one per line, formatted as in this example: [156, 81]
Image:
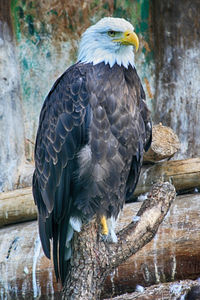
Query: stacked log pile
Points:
[173, 254]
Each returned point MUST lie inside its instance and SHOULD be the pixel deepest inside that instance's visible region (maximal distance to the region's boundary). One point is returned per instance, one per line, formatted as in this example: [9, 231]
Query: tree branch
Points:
[138, 233]
[92, 260]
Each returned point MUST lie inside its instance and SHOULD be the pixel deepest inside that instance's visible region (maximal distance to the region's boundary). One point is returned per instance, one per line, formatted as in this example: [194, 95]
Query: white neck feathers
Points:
[96, 47]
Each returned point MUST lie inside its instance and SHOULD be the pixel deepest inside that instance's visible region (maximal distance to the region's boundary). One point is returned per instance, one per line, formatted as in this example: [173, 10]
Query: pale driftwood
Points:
[172, 255]
[184, 174]
[17, 206]
[165, 291]
[165, 144]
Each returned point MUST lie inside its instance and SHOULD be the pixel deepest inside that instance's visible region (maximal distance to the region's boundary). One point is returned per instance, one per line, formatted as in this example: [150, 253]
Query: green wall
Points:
[47, 35]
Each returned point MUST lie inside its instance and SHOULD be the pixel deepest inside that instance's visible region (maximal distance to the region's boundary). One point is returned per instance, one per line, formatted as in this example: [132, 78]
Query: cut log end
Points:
[165, 144]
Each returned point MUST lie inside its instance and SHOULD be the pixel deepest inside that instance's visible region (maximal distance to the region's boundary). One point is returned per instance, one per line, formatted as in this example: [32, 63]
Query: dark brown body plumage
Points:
[93, 129]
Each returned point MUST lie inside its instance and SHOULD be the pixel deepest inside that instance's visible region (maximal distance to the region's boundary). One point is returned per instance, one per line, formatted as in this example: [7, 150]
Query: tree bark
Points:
[11, 112]
[93, 260]
[175, 29]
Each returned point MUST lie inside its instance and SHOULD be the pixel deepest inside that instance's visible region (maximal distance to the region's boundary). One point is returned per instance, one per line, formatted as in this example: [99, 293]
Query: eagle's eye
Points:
[111, 33]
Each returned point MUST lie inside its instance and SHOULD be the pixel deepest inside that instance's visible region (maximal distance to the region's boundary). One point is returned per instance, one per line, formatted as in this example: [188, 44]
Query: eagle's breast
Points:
[114, 136]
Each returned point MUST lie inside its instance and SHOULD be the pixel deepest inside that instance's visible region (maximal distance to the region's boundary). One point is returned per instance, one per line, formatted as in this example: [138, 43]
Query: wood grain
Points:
[173, 254]
[17, 206]
[184, 174]
[165, 144]
[165, 291]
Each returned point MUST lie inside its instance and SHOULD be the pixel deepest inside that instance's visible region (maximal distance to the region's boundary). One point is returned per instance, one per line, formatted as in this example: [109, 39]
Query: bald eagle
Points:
[93, 129]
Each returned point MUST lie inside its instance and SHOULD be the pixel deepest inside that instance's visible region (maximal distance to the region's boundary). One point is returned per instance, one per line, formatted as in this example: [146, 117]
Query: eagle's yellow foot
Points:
[104, 226]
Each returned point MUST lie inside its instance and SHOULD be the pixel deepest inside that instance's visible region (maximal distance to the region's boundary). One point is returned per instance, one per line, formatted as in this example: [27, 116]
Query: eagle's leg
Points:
[104, 225]
[108, 230]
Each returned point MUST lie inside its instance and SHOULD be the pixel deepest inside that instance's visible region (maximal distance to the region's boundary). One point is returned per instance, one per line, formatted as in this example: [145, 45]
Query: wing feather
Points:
[143, 130]
[61, 135]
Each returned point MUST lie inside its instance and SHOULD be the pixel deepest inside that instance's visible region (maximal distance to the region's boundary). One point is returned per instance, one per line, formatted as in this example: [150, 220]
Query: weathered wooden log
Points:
[173, 254]
[177, 69]
[17, 206]
[165, 144]
[184, 174]
[165, 291]
[24, 270]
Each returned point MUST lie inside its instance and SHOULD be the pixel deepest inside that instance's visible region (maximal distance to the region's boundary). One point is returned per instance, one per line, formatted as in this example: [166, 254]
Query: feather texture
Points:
[88, 159]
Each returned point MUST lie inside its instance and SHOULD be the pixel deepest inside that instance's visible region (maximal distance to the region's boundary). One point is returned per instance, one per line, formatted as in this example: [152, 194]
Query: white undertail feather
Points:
[75, 224]
[112, 237]
[96, 45]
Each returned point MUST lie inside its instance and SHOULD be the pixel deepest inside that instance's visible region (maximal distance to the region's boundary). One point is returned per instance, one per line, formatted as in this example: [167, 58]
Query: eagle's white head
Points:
[111, 41]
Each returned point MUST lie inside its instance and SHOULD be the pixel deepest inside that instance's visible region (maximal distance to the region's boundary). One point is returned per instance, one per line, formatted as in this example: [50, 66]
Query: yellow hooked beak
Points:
[129, 38]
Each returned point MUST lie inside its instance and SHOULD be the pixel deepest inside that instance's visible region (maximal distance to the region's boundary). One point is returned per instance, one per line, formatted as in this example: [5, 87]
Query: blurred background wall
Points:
[38, 42]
